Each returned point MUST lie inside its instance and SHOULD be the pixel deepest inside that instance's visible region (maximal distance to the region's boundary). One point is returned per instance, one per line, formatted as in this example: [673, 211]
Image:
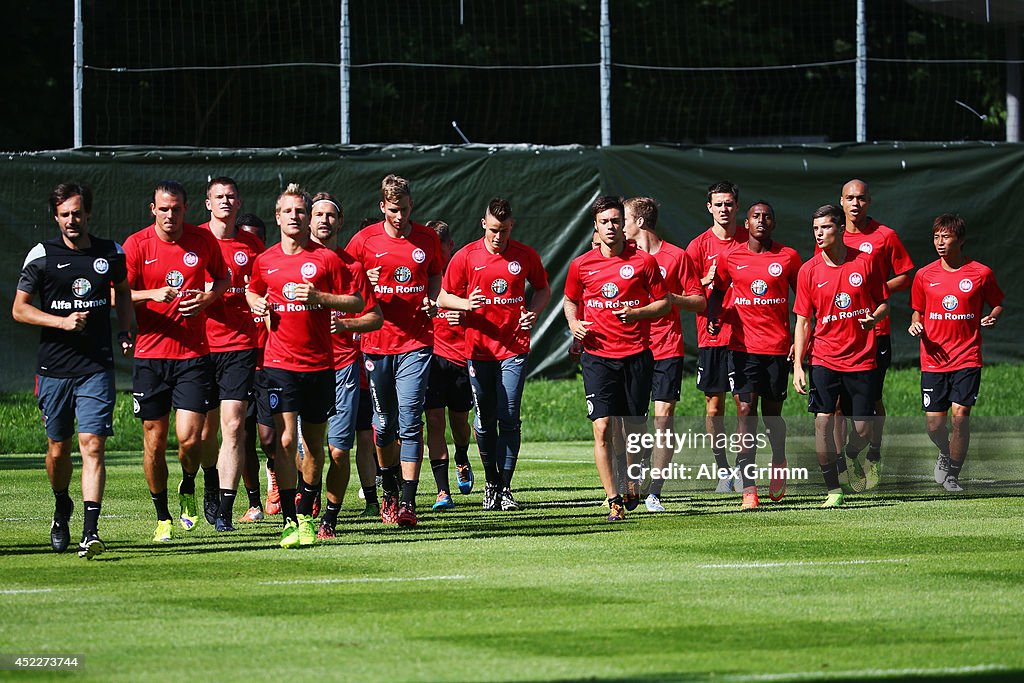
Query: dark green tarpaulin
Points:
[550, 189]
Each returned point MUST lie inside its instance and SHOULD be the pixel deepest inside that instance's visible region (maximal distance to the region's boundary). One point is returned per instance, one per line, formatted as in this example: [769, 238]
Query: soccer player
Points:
[611, 293]
[403, 261]
[684, 292]
[948, 297]
[328, 217]
[448, 390]
[73, 275]
[231, 334]
[840, 289]
[168, 264]
[487, 279]
[296, 283]
[707, 251]
[893, 262]
[761, 275]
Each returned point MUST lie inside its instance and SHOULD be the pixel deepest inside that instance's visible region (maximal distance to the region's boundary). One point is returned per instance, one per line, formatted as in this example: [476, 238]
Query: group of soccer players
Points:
[305, 340]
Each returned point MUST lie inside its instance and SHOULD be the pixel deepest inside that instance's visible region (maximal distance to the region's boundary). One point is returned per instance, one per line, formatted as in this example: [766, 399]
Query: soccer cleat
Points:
[632, 498]
[616, 513]
[444, 501]
[371, 510]
[211, 505]
[492, 497]
[91, 546]
[749, 498]
[941, 468]
[857, 477]
[506, 501]
[60, 535]
[389, 509]
[290, 534]
[253, 514]
[163, 531]
[952, 484]
[324, 531]
[653, 503]
[359, 492]
[273, 496]
[407, 515]
[724, 484]
[464, 476]
[189, 512]
[307, 530]
[834, 500]
[777, 484]
[873, 475]
[221, 524]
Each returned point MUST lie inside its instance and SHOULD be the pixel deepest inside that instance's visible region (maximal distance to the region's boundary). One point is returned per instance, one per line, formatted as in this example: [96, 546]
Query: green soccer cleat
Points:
[874, 475]
[834, 500]
[371, 510]
[290, 534]
[163, 531]
[856, 474]
[189, 510]
[307, 530]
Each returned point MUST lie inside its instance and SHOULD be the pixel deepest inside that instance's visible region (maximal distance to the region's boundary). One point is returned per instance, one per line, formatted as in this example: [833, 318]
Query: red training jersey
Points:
[183, 264]
[229, 323]
[836, 296]
[600, 285]
[300, 334]
[950, 303]
[406, 265]
[449, 338]
[680, 277]
[346, 344]
[759, 297]
[705, 249]
[492, 331]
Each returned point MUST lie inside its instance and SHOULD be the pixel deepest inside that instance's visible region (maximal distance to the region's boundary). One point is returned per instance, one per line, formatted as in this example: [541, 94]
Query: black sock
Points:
[92, 517]
[954, 468]
[492, 473]
[721, 459]
[617, 500]
[211, 481]
[742, 461]
[288, 505]
[227, 504]
[840, 464]
[852, 452]
[160, 503]
[440, 470]
[63, 504]
[831, 476]
[370, 495]
[389, 479]
[462, 454]
[506, 478]
[409, 492]
[330, 517]
[254, 498]
[874, 453]
[188, 482]
[270, 464]
[309, 494]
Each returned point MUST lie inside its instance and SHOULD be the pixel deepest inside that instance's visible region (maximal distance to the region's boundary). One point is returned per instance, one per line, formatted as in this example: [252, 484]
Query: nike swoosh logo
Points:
[591, 272]
[272, 271]
[151, 260]
[62, 265]
[821, 284]
[711, 257]
[933, 284]
[383, 253]
[479, 267]
[350, 385]
[741, 267]
[882, 353]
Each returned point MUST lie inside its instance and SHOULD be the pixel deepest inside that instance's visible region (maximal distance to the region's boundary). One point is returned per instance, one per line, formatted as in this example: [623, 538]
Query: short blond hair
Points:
[293, 190]
[394, 187]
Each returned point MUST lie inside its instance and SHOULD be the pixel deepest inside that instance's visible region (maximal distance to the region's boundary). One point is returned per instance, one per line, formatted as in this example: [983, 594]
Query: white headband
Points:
[329, 202]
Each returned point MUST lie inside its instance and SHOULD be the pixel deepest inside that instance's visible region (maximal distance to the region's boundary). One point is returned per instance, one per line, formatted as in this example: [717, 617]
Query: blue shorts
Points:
[341, 427]
[90, 398]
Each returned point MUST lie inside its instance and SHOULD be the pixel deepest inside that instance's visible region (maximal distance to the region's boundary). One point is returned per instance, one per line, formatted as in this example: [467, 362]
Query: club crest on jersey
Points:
[101, 265]
[775, 269]
[966, 285]
[759, 287]
[191, 259]
[174, 279]
[499, 286]
[308, 270]
[81, 287]
[609, 290]
[664, 273]
[866, 247]
[856, 279]
[843, 300]
[950, 302]
[418, 255]
[402, 274]
[626, 272]
[241, 258]
[288, 291]
[515, 267]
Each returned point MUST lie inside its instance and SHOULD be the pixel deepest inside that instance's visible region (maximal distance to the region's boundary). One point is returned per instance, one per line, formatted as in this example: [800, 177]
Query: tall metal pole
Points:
[606, 76]
[78, 75]
[862, 73]
[1012, 83]
[343, 74]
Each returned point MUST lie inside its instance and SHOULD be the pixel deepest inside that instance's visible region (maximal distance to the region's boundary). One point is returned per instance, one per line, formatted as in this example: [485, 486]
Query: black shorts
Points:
[448, 386]
[364, 415]
[758, 373]
[713, 369]
[310, 394]
[940, 390]
[260, 402]
[853, 390]
[618, 386]
[883, 357]
[234, 372]
[668, 379]
[159, 384]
